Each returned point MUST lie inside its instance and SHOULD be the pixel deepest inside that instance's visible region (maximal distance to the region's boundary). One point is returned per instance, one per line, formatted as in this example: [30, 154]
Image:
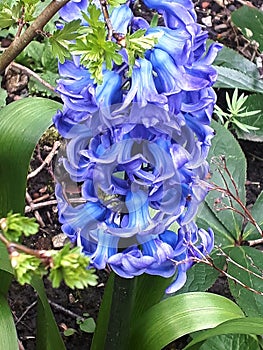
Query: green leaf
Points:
[71, 265]
[6, 271]
[232, 78]
[137, 44]
[231, 342]
[224, 144]
[253, 102]
[26, 266]
[154, 21]
[6, 279]
[68, 332]
[251, 259]
[129, 298]
[116, 3]
[48, 336]
[8, 334]
[245, 325]
[6, 18]
[59, 50]
[99, 338]
[250, 21]
[206, 217]
[88, 325]
[180, 315]
[201, 276]
[35, 50]
[229, 58]
[22, 124]
[68, 32]
[61, 39]
[144, 300]
[4, 260]
[14, 225]
[250, 231]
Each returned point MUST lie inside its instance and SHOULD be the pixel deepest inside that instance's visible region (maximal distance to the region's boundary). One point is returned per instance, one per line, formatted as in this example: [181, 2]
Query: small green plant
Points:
[85, 323]
[236, 110]
[68, 265]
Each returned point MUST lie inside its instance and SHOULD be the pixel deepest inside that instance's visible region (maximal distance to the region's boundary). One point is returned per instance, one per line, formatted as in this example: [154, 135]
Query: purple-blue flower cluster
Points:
[137, 146]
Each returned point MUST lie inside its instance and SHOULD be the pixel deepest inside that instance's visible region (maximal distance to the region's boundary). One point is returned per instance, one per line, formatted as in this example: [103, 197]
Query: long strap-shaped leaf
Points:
[48, 337]
[21, 125]
[244, 325]
[8, 338]
[180, 315]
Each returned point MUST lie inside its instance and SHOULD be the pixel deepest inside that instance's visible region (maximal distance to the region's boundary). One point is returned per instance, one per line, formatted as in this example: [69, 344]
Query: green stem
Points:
[21, 42]
[119, 326]
[114, 321]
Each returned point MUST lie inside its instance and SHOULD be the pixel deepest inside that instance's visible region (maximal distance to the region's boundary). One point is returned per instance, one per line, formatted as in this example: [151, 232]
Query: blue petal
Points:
[179, 281]
[106, 247]
[72, 10]
[176, 13]
[146, 92]
[120, 18]
[177, 43]
[109, 92]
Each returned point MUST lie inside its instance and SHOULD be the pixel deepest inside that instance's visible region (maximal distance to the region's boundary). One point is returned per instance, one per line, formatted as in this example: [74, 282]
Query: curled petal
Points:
[120, 17]
[179, 282]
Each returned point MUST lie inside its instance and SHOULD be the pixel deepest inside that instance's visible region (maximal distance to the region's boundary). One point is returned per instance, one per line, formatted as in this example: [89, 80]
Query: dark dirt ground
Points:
[66, 304]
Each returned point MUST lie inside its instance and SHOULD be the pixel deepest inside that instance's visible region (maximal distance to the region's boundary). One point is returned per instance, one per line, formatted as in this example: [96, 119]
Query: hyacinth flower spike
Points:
[136, 147]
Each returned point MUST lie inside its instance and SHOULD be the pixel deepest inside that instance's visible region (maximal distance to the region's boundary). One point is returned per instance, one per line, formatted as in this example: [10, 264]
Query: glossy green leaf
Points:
[229, 58]
[48, 336]
[244, 325]
[251, 260]
[253, 103]
[21, 125]
[224, 144]
[180, 315]
[144, 300]
[250, 21]
[8, 334]
[232, 78]
[251, 231]
[231, 342]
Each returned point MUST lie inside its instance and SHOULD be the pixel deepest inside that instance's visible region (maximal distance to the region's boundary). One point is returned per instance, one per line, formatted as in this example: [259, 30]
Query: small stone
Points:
[60, 240]
[207, 21]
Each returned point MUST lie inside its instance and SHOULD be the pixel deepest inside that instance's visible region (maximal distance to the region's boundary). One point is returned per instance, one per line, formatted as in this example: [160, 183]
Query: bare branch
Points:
[46, 161]
[21, 42]
[34, 75]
